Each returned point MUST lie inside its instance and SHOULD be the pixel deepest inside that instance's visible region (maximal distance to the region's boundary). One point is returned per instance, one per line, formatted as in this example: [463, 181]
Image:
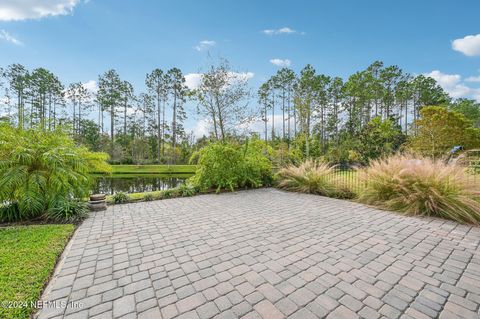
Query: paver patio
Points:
[266, 254]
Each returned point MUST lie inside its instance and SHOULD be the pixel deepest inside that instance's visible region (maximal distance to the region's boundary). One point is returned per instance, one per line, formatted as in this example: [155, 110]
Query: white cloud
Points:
[91, 86]
[202, 128]
[284, 30]
[14, 10]
[193, 80]
[473, 79]
[454, 85]
[469, 45]
[9, 38]
[205, 45]
[281, 62]
[242, 76]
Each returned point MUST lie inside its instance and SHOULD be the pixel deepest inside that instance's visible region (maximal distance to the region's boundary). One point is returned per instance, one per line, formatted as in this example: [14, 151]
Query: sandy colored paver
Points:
[266, 254]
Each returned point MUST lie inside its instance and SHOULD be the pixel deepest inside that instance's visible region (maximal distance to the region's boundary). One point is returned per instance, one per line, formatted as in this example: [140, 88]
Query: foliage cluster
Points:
[42, 174]
[422, 186]
[184, 190]
[305, 114]
[439, 129]
[312, 177]
[231, 166]
[413, 185]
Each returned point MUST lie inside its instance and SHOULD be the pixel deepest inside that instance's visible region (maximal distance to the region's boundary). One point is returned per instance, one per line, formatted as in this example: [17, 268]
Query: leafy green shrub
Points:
[187, 190]
[228, 166]
[9, 213]
[312, 177]
[421, 186]
[67, 211]
[166, 194]
[120, 197]
[148, 197]
[258, 164]
[38, 168]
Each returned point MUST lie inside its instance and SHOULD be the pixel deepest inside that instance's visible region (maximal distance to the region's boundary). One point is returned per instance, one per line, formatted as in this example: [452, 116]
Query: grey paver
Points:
[266, 254]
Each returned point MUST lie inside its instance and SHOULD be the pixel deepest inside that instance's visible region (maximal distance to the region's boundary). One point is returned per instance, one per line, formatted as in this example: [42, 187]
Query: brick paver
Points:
[265, 253]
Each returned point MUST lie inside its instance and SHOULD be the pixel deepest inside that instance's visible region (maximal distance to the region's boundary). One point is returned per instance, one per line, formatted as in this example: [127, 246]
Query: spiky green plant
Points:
[187, 190]
[421, 186]
[313, 177]
[67, 211]
[38, 168]
[148, 197]
[120, 198]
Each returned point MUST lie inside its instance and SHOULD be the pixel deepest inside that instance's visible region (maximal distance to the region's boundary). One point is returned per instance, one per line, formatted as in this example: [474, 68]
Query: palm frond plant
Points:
[422, 186]
[39, 170]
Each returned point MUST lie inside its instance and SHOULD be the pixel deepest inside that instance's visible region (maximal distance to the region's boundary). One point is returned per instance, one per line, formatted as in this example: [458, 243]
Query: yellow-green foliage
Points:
[229, 166]
[313, 177]
[421, 186]
[439, 129]
[40, 170]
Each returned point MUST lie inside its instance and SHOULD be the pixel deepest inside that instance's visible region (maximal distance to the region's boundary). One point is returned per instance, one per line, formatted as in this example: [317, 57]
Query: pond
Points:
[134, 183]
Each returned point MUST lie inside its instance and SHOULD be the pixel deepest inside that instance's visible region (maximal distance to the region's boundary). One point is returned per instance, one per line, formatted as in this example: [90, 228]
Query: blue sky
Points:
[78, 39]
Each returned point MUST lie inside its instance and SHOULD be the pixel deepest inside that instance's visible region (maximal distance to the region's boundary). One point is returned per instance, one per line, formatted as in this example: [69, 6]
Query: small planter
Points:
[97, 202]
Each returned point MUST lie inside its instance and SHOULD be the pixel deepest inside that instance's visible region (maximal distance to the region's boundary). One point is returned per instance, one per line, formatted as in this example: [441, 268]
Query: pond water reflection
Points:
[136, 183]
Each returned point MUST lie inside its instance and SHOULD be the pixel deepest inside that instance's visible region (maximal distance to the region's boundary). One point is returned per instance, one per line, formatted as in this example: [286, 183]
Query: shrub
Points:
[9, 213]
[421, 186]
[166, 194]
[38, 168]
[67, 211]
[187, 190]
[439, 129]
[313, 177]
[120, 197]
[258, 164]
[148, 197]
[228, 166]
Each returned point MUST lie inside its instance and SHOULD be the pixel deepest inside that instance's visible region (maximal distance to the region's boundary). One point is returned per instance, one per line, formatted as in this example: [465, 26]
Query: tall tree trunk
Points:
[266, 123]
[112, 128]
[124, 118]
[54, 114]
[74, 104]
[294, 121]
[288, 118]
[79, 122]
[174, 128]
[283, 113]
[49, 111]
[163, 127]
[20, 111]
[159, 129]
[273, 117]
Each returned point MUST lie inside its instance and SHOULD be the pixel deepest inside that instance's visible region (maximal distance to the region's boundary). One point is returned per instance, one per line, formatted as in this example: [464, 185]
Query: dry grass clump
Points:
[312, 177]
[421, 186]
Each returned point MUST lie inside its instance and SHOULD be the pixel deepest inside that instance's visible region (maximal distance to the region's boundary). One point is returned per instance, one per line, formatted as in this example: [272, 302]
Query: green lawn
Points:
[153, 169]
[27, 258]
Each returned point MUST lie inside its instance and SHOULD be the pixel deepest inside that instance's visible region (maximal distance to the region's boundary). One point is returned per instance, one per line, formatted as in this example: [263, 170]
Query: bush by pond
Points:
[40, 172]
[421, 186]
[120, 197]
[228, 166]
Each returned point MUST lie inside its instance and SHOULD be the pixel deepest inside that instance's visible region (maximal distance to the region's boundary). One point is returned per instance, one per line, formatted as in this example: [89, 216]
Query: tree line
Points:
[309, 113]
